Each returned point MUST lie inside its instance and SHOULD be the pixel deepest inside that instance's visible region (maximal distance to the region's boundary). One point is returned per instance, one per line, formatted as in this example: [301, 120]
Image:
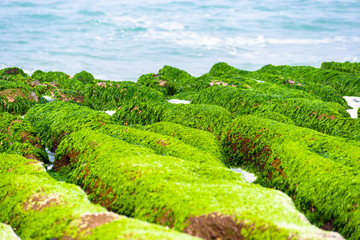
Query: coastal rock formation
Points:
[39, 207]
[178, 165]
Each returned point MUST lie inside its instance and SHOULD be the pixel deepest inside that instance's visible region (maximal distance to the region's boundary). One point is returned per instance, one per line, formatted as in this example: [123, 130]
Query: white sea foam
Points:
[51, 158]
[48, 98]
[110, 112]
[178, 101]
[249, 177]
[353, 102]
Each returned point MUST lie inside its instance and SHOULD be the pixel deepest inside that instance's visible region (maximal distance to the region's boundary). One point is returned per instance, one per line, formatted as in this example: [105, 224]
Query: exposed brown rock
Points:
[54, 84]
[34, 96]
[12, 71]
[167, 219]
[65, 160]
[10, 94]
[90, 221]
[38, 203]
[102, 84]
[35, 83]
[162, 142]
[218, 82]
[162, 83]
[216, 226]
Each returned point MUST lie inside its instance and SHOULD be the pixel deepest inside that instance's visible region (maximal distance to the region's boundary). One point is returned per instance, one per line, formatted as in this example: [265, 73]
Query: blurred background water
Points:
[120, 40]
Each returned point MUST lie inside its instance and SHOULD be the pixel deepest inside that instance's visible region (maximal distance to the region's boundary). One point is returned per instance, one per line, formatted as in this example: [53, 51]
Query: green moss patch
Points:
[56, 119]
[319, 172]
[19, 137]
[205, 117]
[194, 137]
[134, 181]
[342, 67]
[39, 207]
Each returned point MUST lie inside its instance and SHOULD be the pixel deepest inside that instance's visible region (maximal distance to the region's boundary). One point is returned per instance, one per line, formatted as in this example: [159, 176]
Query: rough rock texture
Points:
[39, 207]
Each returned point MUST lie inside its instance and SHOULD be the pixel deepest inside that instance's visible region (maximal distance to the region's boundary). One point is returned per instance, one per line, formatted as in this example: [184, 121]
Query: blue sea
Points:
[120, 40]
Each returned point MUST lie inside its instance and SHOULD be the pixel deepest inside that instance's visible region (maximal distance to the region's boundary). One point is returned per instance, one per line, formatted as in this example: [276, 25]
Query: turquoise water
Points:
[120, 40]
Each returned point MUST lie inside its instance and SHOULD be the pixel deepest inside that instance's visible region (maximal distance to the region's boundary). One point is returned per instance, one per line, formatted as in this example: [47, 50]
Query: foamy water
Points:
[249, 177]
[178, 101]
[353, 102]
[120, 40]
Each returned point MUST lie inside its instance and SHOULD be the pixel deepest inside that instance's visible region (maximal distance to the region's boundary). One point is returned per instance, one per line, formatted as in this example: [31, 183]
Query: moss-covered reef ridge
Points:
[320, 172]
[162, 144]
[6, 232]
[200, 139]
[19, 137]
[204, 200]
[345, 83]
[56, 119]
[205, 117]
[342, 67]
[39, 207]
[325, 117]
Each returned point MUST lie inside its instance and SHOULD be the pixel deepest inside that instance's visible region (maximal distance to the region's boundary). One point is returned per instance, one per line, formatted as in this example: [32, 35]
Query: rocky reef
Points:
[160, 167]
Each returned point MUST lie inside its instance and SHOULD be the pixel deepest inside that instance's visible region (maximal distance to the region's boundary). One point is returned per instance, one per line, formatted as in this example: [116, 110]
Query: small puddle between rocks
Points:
[178, 101]
[51, 158]
[353, 102]
[249, 177]
[110, 112]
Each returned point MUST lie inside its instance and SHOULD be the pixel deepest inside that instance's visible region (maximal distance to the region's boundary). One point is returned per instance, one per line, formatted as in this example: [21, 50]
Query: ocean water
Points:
[120, 40]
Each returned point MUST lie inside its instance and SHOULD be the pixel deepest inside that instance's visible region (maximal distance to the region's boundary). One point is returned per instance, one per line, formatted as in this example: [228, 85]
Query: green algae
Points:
[306, 112]
[84, 77]
[12, 71]
[63, 79]
[347, 84]
[170, 81]
[323, 92]
[197, 138]
[161, 144]
[17, 100]
[6, 232]
[112, 96]
[342, 67]
[38, 207]
[275, 116]
[325, 117]
[319, 172]
[54, 120]
[205, 117]
[19, 137]
[134, 181]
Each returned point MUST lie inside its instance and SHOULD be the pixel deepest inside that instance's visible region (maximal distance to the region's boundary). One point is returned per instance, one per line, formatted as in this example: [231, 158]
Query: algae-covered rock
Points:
[62, 79]
[17, 100]
[318, 171]
[322, 92]
[194, 137]
[7, 233]
[84, 77]
[54, 120]
[347, 84]
[39, 207]
[12, 71]
[326, 117]
[204, 200]
[205, 117]
[342, 67]
[161, 144]
[170, 81]
[111, 96]
[305, 112]
[19, 137]
[275, 116]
